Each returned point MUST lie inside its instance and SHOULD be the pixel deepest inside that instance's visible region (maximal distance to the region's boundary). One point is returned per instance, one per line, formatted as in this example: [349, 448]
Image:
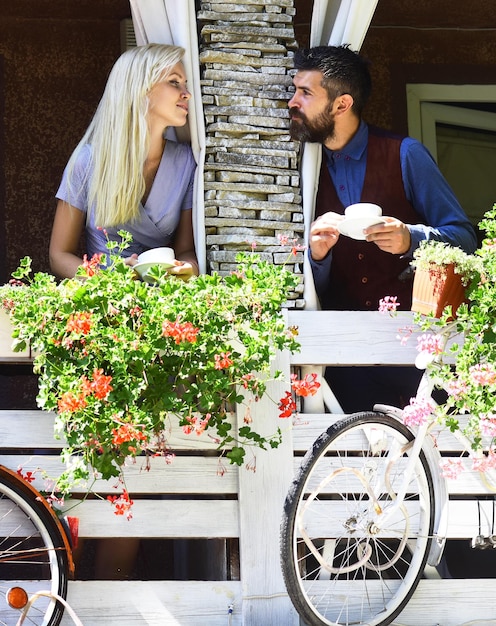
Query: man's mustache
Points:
[294, 112]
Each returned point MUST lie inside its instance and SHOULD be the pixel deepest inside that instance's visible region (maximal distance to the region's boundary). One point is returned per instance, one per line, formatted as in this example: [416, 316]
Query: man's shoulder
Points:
[383, 133]
[408, 146]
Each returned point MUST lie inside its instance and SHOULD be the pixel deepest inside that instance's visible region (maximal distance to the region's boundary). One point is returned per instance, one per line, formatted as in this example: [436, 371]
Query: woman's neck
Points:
[152, 163]
[157, 145]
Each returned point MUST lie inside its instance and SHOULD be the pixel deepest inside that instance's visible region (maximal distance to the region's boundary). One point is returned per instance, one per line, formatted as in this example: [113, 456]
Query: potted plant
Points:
[117, 357]
[443, 273]
[460, 356]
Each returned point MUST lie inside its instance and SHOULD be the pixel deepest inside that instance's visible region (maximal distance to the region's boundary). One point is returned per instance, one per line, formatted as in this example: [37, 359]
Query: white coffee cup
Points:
[362, 209]
[157, 255]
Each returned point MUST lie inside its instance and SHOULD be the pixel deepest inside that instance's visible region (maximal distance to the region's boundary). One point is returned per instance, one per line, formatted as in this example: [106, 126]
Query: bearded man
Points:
[364, 164]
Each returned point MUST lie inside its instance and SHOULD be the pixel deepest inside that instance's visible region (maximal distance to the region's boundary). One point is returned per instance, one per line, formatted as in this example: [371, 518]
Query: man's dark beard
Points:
[317, 131]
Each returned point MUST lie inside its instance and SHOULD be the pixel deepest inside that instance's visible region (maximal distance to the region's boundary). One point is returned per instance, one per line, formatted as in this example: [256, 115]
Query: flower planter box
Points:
[436, 288]
[7, 355]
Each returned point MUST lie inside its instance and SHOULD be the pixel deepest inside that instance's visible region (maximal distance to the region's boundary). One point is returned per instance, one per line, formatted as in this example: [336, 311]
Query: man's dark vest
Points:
[361, 273]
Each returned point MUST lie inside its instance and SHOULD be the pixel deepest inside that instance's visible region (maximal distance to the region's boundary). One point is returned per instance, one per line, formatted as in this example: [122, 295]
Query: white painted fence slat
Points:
[159, 518]
[450, 603]
[156, 603]
[351, 338]
[36, 431]
[183, 475]
[310, 426]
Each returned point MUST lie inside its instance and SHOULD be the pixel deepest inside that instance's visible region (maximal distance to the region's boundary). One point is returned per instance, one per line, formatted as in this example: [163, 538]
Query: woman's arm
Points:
[64, 242]
[184, 247]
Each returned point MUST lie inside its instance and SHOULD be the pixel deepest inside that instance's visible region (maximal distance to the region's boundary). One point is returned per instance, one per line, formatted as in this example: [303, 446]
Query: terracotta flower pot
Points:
[436, 288]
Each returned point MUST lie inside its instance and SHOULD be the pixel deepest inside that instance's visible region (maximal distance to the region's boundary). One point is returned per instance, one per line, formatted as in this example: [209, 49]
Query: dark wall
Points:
[302, 21]
[55, 56]
[420, 41]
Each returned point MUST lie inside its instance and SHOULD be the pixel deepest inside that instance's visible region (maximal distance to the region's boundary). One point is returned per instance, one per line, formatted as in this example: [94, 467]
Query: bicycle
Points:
[365, 514]
[35, 556]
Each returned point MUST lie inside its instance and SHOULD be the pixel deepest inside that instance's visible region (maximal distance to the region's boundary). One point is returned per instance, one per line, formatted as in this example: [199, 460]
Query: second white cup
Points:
[362, 209]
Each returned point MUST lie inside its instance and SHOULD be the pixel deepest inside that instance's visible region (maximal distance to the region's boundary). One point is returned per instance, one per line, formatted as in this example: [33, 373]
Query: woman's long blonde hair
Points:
[119, 135]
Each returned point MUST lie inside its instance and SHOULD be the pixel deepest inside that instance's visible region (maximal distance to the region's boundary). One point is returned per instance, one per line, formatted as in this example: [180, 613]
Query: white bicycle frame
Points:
[423, 443]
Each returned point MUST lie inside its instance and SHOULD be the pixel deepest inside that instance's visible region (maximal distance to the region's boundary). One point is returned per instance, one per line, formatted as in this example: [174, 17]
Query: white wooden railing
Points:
[242, 505]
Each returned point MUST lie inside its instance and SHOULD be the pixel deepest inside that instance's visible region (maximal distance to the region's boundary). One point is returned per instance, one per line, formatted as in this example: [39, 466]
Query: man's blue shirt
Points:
[425, 188]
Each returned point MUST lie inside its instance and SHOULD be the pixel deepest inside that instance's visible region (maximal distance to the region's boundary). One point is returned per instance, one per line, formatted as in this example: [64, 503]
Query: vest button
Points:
[361, 256]
[368, 303]
[365, 280]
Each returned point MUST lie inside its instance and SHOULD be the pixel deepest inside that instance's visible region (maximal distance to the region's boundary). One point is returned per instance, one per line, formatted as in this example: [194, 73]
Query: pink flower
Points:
[28, 476]
[92, 265]
[483, 374]
[308, 386]
[456, 388]
[196, 424]
[180, 331]
[222, 361]
[430, 343]
[126, 433]
[101, 386]
[284, 240]
[287, 405]
[247, 419]
[70, 402]
[297, 248]
[79, 323]
[450, 468]
[404, 334]
[488, 426]
[122, 504]
[417, 412]
[246, 379]
[388, 304]
[485, 463]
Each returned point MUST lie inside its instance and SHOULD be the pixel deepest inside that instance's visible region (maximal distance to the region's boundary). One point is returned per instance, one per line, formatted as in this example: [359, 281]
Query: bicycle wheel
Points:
[33, 553]
[341, 563]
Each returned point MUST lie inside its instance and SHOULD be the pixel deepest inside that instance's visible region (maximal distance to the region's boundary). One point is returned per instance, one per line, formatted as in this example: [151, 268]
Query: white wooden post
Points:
[261, 498]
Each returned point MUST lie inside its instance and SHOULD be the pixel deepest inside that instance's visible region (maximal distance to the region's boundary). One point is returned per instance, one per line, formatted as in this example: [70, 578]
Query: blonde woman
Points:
[125, 173]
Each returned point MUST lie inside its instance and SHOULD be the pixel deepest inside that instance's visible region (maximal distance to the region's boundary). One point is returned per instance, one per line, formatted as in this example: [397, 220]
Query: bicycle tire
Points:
[34, 552]
[339, 565]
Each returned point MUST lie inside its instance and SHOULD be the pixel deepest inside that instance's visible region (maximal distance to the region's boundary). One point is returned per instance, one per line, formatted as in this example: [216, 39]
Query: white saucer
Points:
[143, 268]
[353, 227]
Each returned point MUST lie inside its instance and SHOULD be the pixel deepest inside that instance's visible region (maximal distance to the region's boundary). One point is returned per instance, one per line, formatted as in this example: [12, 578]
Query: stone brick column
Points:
[251, 174]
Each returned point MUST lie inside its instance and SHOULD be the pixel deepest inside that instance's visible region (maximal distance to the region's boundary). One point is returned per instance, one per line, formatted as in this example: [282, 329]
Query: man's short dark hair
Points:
[343, 70]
